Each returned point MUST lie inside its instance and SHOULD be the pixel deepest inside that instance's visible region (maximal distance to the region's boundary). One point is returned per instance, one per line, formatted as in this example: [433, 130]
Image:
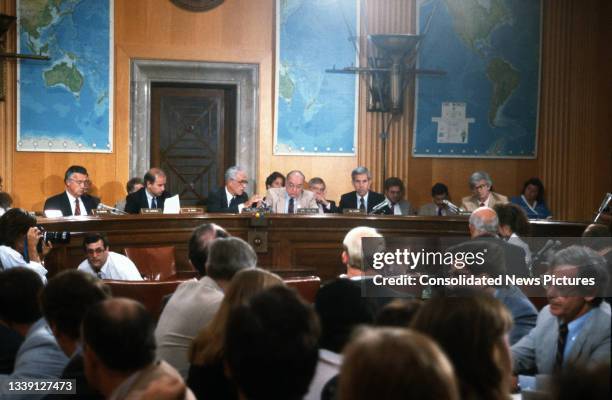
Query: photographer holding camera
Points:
[19, 242]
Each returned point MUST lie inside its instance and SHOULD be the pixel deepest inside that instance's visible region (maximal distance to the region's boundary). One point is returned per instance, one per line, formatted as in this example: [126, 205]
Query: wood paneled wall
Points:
[574, 144]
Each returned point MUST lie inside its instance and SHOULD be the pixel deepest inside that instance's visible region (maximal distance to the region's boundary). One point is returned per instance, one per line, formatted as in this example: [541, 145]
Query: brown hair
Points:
[472, 331]
[395, 363]
[207, 347]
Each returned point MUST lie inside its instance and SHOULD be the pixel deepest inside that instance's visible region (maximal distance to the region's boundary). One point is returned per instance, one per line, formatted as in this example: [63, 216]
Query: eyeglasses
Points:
[242, 182]
[99, 250]
[481, 187]
[81, 183]
[292, 186]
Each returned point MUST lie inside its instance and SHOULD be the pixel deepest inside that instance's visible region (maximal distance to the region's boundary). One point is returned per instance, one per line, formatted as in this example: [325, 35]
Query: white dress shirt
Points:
[11, 258]
[117, 267]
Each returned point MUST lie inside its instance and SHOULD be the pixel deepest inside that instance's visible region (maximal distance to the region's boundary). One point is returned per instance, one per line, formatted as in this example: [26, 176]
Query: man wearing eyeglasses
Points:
[74, 200]
[481, 186]
[232, 197]
[292, 197]
[106, 264]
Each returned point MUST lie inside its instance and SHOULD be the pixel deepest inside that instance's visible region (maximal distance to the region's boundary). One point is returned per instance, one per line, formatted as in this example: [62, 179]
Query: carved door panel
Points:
[190, 139]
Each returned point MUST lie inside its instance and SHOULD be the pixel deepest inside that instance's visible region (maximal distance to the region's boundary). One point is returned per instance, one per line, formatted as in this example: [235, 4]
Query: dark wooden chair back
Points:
[154, 263]
[149, 293]
[307, 286]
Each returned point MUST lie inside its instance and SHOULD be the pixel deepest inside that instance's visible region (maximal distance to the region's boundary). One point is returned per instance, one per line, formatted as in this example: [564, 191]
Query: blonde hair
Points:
[207, 347]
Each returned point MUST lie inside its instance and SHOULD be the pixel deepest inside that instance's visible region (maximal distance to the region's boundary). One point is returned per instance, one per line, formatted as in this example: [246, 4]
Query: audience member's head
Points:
[76, 180]
[271, 345]
[96, 248]
[64, 302]
[582, 382]
[568, 302]
[295, 183]
[207, 347]
[6, 202]
[490, 263]
[394, 363]
[394, 189]
[533, 190]
[118, 340]
[275, 180]
[200, 239]
[598, 237]
[236, 180]
[512, 219]
[352, 254]
[439, 193]
[398, 313]
[14, 226]
[472, 331]
[480, 184]
[341, 308]
[155, 181]
[19, 291]
[484, 222]
[226, 256]
[362, 180]
[134, 185]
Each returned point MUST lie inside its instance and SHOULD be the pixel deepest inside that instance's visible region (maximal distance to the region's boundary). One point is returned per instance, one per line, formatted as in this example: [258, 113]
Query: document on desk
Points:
[172, 205]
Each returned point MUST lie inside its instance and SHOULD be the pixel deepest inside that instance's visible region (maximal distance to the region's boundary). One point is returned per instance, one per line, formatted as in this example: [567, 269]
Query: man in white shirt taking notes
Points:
[106, 264]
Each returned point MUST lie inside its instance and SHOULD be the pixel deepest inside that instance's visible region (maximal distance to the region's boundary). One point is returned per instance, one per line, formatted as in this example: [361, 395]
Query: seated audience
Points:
[340, 308]
[362, 197]
[271, 345]
[482, 195]
[484, 224]
[575, 325]
[318, 187]
[119, 350]
[394, 192]
[582, 382]
[6, 202]
[133, 185]
[232, 197]
[393, 363]
[398, 313]
[39, 356]
[64, 302]
[19, 239]
[293, 196]
[195, 302]
[10, 341]
[531, 199]
[206, 376]
[74, 200]
[472, 331]
[599, 238]
[200, 239]
[275, 180]
[106, 264]
[152, 195]
[439, 193]
[512, 222]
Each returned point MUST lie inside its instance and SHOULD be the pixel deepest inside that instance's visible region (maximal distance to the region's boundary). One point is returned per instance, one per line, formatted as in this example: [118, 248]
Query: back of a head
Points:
[513, 216]
[121, 334]
[597, 236]
[470, 330]
[493, 259]
[68, 296]
[6, 201]
[226, 256]
[271, 345]
[395, 363]
[579, 381]
[398, 313]
[19, 291]
[200, 239]
[352, 244]
[484, 220]
[13, 224]
[341, 308]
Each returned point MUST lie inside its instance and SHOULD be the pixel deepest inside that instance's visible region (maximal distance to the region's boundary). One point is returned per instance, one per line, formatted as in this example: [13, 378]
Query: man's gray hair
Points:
[232, 172]
[479, 176]
[352, 244]
[488, 225]
[226, 256]
[360, 171]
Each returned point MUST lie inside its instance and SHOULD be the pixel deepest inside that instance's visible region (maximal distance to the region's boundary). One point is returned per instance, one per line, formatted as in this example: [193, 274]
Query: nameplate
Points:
[151, 210]
[191, 210]
[256, 210]
[307, 211]
[352, 211]
[100, 212]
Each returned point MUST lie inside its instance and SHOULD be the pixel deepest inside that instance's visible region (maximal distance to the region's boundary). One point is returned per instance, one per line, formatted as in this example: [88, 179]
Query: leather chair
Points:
[154, 263]
[149, 293]
[307, 286]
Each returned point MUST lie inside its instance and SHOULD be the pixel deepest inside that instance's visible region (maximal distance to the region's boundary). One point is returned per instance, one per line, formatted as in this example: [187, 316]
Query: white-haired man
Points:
[480, 184]
[232, 197]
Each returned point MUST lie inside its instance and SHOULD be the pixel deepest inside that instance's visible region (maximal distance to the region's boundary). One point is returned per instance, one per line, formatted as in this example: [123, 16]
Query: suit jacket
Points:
[137, 200]
[217, 201]
[405, 208]
[524, 314]
[332, 207]
[349, 200]
[431, 209]
[134, 389]
[275, 198]
[76, 370]
[62, 203]
[536, 352]
[470, 203]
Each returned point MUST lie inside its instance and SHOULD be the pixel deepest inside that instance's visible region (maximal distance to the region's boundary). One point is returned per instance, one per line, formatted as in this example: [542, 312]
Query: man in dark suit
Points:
[74, 200]
[318, 187]
[232, 197]
[152, 195]
[362, 197]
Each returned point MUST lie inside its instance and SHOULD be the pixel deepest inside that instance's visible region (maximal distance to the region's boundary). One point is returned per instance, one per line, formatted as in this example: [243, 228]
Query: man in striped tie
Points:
[74, 200]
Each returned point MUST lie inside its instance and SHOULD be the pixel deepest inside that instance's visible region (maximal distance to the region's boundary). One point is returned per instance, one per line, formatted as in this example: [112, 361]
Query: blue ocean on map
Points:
[503, 126]
[64, 103]
[316, 110]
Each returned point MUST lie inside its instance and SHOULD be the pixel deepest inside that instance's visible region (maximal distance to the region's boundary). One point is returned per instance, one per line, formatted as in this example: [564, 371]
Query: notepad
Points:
[172, 205]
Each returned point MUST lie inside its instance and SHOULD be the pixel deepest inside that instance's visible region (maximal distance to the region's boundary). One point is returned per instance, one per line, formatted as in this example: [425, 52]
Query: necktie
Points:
[154, 202]
[233, 202]
[439, 211]
[100, 275]
[563, 330]
[362, 204]
[77, 207]
[290, 208]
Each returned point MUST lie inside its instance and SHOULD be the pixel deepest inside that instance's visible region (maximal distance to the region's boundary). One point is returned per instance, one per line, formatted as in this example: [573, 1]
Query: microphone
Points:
[380, 206]
[549, 245]
[113, 210]
[453, 208]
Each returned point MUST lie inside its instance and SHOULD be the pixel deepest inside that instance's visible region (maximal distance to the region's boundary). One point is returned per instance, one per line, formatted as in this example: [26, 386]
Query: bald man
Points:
[152, 195]
[288, 199]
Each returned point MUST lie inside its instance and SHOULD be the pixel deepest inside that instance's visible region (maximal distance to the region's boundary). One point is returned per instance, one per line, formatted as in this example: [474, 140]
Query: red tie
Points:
[77, 207]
